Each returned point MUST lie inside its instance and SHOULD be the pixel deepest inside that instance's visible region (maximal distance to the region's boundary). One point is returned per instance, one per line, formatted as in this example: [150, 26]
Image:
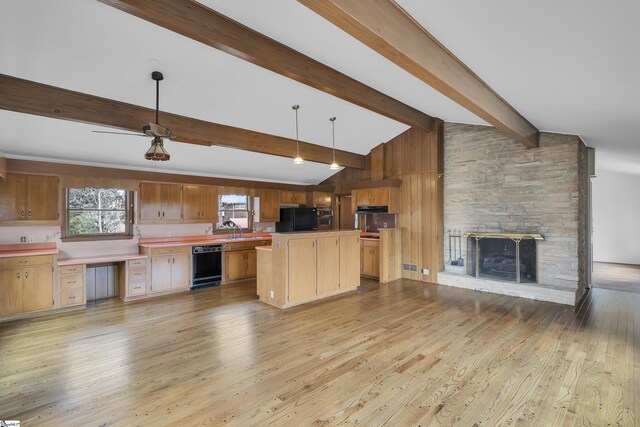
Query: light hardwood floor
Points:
[406, 353]
[617, 277]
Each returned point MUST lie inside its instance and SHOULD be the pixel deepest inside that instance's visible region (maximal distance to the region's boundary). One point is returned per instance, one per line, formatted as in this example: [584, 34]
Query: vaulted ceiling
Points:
[566, 66]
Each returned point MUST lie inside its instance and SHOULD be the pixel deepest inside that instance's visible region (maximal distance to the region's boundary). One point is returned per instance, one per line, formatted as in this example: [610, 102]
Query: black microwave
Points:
[297, 219]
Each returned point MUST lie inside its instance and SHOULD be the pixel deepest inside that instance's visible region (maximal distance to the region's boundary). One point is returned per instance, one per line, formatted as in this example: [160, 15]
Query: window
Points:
[234, 207]
[94, 212]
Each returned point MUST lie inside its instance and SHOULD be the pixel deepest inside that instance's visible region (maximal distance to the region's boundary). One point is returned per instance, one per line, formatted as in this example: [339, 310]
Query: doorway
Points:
[346, 218]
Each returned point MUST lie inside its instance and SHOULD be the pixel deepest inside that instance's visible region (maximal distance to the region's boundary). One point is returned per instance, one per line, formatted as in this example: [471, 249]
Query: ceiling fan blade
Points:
[118, 133]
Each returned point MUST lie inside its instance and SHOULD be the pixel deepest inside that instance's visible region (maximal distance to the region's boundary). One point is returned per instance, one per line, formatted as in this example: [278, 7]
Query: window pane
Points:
[113, 222]
[113, 199]
[83, 198]
[84, 223]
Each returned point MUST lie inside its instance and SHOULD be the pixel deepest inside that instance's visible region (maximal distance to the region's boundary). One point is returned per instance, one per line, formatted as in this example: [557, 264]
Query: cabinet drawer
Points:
[133, 263]
[71, 297]
[171, 250]
[137, 275]
[26, 260]
[71, 281]
[236, 246]
[137, 288]
[72, 269]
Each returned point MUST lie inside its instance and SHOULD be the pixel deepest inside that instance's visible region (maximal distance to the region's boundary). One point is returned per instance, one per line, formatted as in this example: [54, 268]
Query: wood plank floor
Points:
[617, 277]
[401, 354]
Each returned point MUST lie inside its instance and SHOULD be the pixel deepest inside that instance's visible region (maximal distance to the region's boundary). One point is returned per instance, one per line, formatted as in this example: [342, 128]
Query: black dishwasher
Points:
[207, 266]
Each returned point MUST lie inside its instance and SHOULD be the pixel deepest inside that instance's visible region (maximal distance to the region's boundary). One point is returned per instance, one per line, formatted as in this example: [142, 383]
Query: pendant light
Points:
[334, 165]
[157, 152]
[298, 160]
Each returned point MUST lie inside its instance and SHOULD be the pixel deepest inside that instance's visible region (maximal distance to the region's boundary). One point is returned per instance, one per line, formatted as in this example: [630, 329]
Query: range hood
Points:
[372, 209]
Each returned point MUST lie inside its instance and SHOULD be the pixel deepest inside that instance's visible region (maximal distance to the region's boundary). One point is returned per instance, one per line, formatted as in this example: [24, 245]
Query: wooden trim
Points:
[198, 22]
[360, 185]
[3, 167]
[30, 97]
[49, 168]
[386, 28]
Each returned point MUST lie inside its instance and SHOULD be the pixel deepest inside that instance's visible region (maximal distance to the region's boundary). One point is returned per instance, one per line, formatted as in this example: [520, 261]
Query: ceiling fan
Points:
[156, 152]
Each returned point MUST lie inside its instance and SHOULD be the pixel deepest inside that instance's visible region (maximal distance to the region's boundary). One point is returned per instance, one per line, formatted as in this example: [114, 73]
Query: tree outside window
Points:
[97, 212]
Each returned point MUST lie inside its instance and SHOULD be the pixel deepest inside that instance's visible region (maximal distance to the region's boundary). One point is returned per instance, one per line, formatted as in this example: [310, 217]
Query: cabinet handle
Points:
[158, 214]
[174, 260]
[18, 275]
[29, 213]
[72, 297]
[26, 274]
[169, 260]
[23, 261]
[22, 213]
[162, 214]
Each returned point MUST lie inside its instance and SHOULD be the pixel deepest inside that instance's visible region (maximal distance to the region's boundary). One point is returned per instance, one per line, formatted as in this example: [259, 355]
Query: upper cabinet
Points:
[29, 198]
[200, 203]
[381, 196]
[320, 199]
[160, 202]
[269, 205]
[293, 197]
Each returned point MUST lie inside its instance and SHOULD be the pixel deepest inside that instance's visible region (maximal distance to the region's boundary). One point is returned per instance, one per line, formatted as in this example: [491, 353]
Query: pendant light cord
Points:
[295, 107]
[333, 131]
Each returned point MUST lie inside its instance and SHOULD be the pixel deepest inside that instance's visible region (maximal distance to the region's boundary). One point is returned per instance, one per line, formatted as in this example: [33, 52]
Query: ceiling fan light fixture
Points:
[157, 152]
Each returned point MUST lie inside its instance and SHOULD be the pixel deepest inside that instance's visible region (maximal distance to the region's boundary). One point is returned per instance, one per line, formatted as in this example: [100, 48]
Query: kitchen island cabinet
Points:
[308, 266]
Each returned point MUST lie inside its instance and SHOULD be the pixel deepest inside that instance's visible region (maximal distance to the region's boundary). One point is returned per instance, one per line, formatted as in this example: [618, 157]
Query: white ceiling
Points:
[566, 66]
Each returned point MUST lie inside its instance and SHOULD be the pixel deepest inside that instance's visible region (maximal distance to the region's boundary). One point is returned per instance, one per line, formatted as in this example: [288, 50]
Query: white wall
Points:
[616, 217]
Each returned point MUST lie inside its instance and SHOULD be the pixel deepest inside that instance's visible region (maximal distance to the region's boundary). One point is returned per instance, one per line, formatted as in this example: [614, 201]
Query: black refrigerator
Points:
[297, 219]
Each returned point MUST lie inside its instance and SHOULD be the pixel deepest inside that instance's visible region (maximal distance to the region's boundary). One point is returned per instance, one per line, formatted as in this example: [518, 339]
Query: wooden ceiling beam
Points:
[198, 22]
[30, 97]
[389, 30]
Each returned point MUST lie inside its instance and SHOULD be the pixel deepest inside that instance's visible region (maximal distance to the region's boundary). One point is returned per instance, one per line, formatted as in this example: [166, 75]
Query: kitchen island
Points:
[302, 267]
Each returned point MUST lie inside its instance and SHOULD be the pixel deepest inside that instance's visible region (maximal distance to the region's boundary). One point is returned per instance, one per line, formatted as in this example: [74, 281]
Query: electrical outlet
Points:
[23, 239]
[31, 239]
[384, 225]
[168, 234]
[272, 294]
[425, 271]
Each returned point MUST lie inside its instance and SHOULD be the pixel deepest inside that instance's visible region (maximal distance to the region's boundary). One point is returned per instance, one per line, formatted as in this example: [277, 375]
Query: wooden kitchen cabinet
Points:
[269, 205]
[133, 279]
[200, 202]
[349, 250]
[382, 196]
[239, 265]
[302, 269]
[320, 199]
[72, 285]
[28, 287]
[160, 202]
[170, 269]
[370, 258]
[293, 197]
[29, 198]
[328, 257]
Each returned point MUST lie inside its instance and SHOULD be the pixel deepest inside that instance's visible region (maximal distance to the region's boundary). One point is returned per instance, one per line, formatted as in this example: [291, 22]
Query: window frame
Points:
[249, 211]
[129, 218]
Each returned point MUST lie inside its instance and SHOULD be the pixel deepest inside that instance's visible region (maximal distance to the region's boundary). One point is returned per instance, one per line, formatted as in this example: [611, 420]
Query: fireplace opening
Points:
[498, 257]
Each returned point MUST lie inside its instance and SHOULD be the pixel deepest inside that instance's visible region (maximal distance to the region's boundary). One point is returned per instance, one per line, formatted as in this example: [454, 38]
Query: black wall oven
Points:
[207, 266]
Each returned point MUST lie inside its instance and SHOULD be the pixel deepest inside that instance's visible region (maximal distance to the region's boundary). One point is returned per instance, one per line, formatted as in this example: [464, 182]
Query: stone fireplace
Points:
[508, 257]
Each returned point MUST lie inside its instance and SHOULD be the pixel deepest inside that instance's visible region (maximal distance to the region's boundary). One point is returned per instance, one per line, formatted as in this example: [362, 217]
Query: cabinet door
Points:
[269, 206]
[235, 265]
[150, 201]
[328, 262]
[42, 197]
[37, 288]
[180, 277]
[379, 196]
[349, 251]
[286, 197]
[209, 203]
[13, 197]
[322, 199]
[11, 291]
[171, 201]
[375, 261]
[299, 197]
[302, 269]
[252, 264]
[160, 273]
[192, 202]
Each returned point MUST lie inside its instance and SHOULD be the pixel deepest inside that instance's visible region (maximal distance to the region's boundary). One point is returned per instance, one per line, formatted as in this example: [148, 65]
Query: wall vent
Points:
[409, 267]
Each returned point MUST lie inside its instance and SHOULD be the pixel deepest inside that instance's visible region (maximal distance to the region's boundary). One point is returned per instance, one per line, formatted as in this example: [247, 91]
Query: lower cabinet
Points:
[133, 279]
[25, 289]
[302, 269]
[72, 285]
[328, 257]
[169, 272]
[370, 258]
[239, 264]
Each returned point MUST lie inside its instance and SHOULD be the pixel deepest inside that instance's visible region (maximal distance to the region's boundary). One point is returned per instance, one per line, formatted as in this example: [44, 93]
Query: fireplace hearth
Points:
[502, 256]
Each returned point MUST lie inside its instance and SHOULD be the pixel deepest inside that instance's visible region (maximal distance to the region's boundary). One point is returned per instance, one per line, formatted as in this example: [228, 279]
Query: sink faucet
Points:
[235, 226]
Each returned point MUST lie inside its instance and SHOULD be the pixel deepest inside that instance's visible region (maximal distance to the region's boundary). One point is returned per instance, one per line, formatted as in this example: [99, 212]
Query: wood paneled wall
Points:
[417, 158]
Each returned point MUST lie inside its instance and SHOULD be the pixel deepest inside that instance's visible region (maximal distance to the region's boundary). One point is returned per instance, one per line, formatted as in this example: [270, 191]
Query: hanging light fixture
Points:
[334, 165]
[157, 151]
[298, 160]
